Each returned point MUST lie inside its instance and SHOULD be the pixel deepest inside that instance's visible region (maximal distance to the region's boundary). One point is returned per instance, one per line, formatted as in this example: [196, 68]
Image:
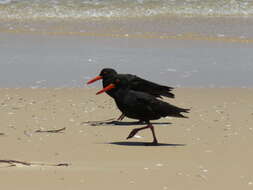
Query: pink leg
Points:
[153, 133]
[136, 130]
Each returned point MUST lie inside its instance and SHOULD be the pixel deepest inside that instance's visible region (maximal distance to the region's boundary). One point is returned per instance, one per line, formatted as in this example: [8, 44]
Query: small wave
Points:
[5, 2]
[85, 9]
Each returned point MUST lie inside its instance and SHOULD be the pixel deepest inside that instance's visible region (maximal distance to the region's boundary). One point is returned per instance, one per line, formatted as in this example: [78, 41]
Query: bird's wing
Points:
[146, 100]
[160, 107]
[140, 103]
[142, 85]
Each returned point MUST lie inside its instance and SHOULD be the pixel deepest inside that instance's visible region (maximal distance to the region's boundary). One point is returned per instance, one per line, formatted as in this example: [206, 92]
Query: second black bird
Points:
[136, 83]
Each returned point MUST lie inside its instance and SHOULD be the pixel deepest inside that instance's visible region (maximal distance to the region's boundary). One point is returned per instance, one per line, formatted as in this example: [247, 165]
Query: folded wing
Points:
[142, 85]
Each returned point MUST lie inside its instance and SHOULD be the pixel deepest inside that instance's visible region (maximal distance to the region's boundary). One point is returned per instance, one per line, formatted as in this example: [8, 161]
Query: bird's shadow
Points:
[131, 143]
[120, 123]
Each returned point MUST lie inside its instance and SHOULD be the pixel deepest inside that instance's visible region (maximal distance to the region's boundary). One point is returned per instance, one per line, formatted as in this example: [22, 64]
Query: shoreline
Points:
[69, 61]
[224, 29]
[187, 52]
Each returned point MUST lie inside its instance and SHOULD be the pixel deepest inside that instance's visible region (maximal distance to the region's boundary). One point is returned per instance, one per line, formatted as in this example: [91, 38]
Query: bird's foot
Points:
[132, 133]
[154, 143]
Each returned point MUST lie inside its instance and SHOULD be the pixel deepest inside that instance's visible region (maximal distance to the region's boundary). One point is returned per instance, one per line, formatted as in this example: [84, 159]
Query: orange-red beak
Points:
[109, 87]
[94, 79]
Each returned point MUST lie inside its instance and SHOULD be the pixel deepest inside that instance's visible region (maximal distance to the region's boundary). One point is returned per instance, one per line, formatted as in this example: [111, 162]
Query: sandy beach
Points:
[210, 150]
[55, 133]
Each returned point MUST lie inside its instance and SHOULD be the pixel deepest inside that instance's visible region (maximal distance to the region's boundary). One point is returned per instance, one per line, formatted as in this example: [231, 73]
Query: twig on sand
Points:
[50, 131]
[97, 123]
[16, 162]
[13, 162]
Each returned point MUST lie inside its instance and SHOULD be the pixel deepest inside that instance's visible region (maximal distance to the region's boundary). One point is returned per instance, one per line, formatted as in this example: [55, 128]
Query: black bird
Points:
[141, 105]
[134, 82]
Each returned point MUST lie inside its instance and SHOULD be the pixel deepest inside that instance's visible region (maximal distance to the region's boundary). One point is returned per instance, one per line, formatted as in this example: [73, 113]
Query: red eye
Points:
[117, 81]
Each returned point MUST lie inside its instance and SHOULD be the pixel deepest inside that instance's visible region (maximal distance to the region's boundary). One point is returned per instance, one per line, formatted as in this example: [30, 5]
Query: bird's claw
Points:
[154, 143]
[132, 133]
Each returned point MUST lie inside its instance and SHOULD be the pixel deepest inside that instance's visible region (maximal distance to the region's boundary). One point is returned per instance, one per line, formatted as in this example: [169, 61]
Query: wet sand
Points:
[186, 52]
[210, 150]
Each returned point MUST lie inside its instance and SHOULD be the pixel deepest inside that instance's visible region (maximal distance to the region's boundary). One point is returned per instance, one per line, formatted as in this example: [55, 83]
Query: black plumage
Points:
[135, 83]
[141, 105]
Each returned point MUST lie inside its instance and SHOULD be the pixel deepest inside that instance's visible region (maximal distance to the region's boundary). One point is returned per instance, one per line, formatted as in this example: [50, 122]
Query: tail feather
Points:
[168, 88]
[167, 94]
[167, 109]
[149, 87]
[187, 110]
[179, 115]
[162, 91]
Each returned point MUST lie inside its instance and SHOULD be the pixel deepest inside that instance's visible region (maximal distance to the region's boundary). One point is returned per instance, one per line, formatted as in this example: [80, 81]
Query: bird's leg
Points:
[153, 133]
[136, 130]
[121, 117]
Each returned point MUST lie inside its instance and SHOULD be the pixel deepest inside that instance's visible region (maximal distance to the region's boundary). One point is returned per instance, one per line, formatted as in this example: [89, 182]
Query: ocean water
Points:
[113, 9]
[39, 61]
[63, 43]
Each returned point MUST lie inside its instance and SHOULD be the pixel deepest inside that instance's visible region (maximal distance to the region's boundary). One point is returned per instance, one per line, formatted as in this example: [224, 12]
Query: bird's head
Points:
[118, 82]
[105, 73]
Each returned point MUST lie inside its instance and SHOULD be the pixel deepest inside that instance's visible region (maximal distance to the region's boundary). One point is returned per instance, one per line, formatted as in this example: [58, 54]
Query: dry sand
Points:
[210, 150]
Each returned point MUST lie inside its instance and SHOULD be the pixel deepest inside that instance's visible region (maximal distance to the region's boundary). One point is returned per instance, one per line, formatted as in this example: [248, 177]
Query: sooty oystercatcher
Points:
[141, 105]
[134, 82]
